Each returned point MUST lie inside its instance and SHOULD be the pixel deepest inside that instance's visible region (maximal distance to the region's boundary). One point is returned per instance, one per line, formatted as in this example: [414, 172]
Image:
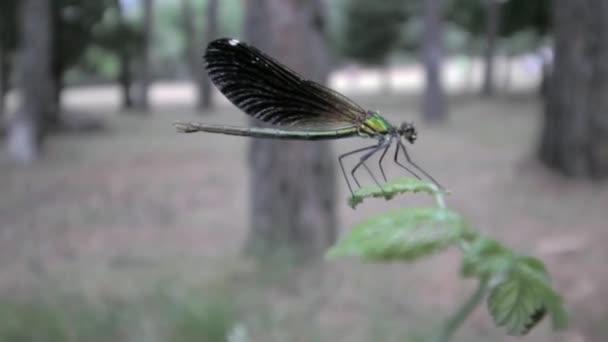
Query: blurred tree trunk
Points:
[142, 100]
[433, 102]
[492, 20]
[292, 184]
[193, 56]
[53, 116]
[194, 49]
[34, 80]
[206, 93]
[3, 81]
[574, 139]
[125, 77]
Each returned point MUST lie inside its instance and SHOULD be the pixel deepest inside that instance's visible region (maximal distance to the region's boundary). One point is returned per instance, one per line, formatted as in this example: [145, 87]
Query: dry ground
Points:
[138, 208]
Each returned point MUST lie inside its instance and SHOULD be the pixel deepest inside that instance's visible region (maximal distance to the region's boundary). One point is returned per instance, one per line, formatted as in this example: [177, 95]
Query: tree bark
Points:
[142, 100]
[34, 80]
[292, 184]
[3, 81]
[433, 102]
[574, 139]
[492, 25]
[205, 88]
[125, 77]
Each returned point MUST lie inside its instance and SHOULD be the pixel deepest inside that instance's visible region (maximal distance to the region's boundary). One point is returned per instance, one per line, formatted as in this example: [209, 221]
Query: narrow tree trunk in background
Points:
[192, 50]
[52, 119]
[3, 82]
[142, 100]
[205, 99]
[492, 24]
[470, 72]
[125, 80]
[574, 139]
[34, 80]
[293, 184]
[433, 102]
[508, 72]
[125, 77]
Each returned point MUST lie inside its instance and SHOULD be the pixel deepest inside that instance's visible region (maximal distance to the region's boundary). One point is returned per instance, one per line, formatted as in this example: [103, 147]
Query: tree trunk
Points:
[125, 77]
[125, 80]
[3, 81]
[574, 139]
[205, 88]
[293, 184]
[52, 119]
[492, 24]
[142, 101]
[34, 79]
[192, 51]
[433, 102]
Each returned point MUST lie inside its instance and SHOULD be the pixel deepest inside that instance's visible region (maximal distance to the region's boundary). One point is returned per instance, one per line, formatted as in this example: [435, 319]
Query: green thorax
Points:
[376, 125]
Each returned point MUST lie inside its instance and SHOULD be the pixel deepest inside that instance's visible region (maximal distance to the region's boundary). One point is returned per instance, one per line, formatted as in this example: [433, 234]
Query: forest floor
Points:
[138, 215]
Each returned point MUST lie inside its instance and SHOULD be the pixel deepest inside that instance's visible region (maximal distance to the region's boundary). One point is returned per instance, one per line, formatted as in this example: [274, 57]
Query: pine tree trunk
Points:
[125, 77]
[433, 102]
[52, 119]
[125, 80]
[575, 132]
[205, 88]
[293, 184]
[492, 19]
[3, 81]
[142, 100]
[34, 80]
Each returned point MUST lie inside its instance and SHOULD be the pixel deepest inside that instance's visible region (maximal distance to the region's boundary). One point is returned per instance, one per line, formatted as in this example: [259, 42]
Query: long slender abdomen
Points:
[267, 133]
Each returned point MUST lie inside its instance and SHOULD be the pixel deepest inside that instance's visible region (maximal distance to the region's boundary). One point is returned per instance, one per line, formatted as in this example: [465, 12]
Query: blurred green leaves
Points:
[520, 291]
[403, 235]
[521, 300]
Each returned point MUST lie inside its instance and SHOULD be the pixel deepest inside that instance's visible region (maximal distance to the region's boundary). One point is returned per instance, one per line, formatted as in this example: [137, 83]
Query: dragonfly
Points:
[299, 109]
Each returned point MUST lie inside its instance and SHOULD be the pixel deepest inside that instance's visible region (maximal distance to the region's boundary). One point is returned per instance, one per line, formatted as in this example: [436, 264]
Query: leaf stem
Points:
[438, 197]
[454, 322]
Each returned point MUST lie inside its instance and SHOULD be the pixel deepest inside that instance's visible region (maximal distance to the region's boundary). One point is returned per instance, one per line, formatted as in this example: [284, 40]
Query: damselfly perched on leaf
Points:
[304, 110]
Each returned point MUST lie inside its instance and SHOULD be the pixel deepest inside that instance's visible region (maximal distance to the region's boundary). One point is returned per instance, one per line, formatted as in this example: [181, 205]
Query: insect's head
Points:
[408, 131]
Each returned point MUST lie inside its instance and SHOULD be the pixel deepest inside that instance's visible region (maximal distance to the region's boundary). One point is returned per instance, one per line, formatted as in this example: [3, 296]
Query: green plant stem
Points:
[453, 323]
[439, 199]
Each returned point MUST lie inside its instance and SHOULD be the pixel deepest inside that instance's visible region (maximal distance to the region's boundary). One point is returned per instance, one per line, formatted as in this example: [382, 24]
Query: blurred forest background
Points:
[115, 228]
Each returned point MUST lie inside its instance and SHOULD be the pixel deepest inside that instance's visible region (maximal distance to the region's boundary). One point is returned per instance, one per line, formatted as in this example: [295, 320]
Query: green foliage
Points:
[203, 320]
[406, 234]
[38, 319]
[74, 22]
[524, 296]
[468, 14]
[484, 258]
[515, 16]
[392, 188]
[371, 29]
[208, 315]
[520, 291]
[8, 24]
[520, 15]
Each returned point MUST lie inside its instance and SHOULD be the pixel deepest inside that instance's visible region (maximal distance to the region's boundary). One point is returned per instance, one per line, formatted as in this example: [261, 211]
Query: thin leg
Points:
[342, 165]
[398, 163]
[407, 157]
[380, 161]
[362, 161]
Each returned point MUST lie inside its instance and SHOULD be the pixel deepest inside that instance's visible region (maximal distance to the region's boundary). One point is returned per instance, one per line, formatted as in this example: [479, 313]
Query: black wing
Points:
[271, 92]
